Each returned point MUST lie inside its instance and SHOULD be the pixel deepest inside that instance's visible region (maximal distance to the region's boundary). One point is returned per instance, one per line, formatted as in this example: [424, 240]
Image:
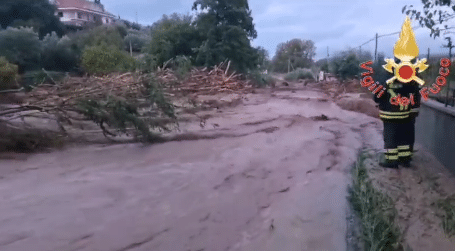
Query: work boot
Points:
[387, 163]
[405, 162]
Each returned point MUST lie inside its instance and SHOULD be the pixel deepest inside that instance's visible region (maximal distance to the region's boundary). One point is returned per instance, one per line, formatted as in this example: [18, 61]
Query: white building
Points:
[82, 12]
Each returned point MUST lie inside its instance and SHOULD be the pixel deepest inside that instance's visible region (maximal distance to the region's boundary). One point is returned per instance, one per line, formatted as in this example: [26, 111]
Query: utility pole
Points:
[131, 49]
[428, 54]
[328, 52]
[289, 63]
[136, 17]
[449, 45]
[376, 49]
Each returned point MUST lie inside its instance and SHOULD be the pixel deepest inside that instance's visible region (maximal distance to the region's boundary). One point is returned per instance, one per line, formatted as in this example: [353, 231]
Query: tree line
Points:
[32, 38]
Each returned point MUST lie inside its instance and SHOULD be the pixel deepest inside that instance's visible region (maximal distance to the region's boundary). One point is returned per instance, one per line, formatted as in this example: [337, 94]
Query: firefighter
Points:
[398, 109]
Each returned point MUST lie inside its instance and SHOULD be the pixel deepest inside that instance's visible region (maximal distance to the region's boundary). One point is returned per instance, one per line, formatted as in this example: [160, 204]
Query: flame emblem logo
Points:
[405, 50]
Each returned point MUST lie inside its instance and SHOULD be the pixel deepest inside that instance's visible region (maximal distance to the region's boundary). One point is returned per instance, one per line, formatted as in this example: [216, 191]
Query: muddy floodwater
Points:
[270, 173]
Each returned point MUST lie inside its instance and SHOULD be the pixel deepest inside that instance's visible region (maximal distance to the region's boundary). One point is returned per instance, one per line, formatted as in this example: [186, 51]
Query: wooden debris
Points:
[62, 97]
[126, 85]
[204, 81]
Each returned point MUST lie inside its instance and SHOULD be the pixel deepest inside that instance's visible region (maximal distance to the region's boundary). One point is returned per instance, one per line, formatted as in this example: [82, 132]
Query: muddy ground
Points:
[268, 171]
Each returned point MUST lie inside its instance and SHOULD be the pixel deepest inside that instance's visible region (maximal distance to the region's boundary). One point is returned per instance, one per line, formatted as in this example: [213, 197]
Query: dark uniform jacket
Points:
[389, 108]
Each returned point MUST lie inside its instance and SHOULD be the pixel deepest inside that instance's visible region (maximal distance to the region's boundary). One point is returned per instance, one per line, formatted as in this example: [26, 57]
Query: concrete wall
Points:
[435, 129]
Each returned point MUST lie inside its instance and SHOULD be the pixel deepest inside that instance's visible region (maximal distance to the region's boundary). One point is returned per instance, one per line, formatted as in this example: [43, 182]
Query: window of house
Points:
[107, 20]
[79, 15]
[60, 14]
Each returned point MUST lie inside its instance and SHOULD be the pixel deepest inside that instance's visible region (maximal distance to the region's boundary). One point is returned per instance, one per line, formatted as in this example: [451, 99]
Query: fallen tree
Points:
[114, 102]
[131, 104]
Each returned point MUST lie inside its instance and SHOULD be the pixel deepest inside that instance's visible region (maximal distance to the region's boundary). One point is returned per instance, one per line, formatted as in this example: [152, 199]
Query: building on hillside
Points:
[82, 12]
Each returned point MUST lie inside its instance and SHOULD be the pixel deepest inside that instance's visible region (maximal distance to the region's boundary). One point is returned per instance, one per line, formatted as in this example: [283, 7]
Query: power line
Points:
[385, 35]
[366, 42]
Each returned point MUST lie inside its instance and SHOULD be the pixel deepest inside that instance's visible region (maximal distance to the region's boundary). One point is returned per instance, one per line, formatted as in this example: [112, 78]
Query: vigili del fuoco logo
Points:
[405, 50]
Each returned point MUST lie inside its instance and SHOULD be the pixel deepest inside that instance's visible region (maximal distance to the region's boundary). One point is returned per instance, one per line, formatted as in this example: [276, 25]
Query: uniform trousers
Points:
[399, 137]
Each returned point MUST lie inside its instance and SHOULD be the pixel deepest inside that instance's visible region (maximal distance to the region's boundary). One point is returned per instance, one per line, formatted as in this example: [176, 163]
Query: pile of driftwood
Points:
[128, 85]
[205, 81]
[131, 86]
[60, 102]
[61, 97]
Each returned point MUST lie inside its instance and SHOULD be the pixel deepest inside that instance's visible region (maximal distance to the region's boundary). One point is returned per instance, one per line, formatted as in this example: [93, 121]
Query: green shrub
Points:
[136, 40]
[349, 67]
[39, 14]
[103, 59]
[346, 64]
[147, 63]
[101, 35]
[22, 47]
[182, 65]
[296, 53]
[263, 60]
[8, 74]
[57, 54]
[261, 79]
[172, 36]
[300, 74]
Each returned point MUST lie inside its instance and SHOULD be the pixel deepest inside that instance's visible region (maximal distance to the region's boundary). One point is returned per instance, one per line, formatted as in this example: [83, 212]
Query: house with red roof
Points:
[82, 12]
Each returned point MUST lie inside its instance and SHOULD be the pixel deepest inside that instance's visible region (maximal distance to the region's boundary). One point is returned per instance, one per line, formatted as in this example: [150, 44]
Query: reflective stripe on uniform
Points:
[415, 109]
[394, 113]
[405, 154]
[394, 117]
[391, 157]
[391, 154]
[405, 147]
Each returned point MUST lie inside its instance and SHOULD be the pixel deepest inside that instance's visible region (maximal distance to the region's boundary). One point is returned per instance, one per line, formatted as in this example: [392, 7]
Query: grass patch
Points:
[375, 210]
[300, 74]
[447, 206]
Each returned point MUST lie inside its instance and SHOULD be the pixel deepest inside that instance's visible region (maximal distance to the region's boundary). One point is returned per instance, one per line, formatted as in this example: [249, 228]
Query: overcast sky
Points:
[338, 24]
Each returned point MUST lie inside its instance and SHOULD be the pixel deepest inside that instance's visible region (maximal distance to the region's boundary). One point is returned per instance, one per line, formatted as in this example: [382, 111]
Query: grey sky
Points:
[337, 24]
